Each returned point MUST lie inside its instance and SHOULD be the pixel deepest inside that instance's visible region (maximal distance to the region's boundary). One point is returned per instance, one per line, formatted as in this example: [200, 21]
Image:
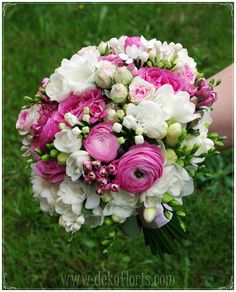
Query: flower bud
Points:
[112, 169]
[85, 130]
[117, 219]
[139, 131]
[152, 54]
[117, 127]
[123, 76]
[86, 118]
[45, 157]
[91, 175]
[71, 119]
[63, 126]
[149, 214]
[139, 139]
[76, 131]
[86, 110]
[105, 74]
[120, 114]
[171, 155]
[166, 198]
[54, 153]
[111, 115]
[102, 47]
[118, 93]
[115, 188]
[173, 133]
[103, 171]
[106, 197]
[102, 180]
[121, 140]
[62, 157]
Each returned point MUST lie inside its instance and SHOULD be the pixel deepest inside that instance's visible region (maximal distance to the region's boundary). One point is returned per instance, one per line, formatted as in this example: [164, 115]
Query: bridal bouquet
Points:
[115, 136]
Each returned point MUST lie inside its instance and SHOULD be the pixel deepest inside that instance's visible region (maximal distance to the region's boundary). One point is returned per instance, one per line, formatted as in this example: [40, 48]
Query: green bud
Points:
[221, 138]
[48, 146]
[120, 114]
[175, 203]
[212, 81]
[121, 140]
[149, 63]
[62, 157]
[86, 110]
[182, 225]
[85, 130]
[32, 160]
[195, 148]
[167, 214]
[191, 172]
[186, 149]
[108, 221]
[54, 153]
[112, 234]
[180, 213]
[37, 97]
[45, 157]
[105, 251]
[43, 91]
[180, 162]
[149, 214]
[86, 118]
[28, 98]
[117, 219]
[218, 82]
[106, 197]
[38, 151]
[183, 135]
[219, 143]
[167, 198]
[171, 155]
[213, 135]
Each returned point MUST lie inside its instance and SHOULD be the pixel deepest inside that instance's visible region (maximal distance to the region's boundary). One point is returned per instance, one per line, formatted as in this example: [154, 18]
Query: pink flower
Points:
[206, 96]
[101, 144]
[113, 59]
[140, 90]
[159, 77]
[129, 41]
[75, 104]
[50, 170]
[26, 119]
[139, 168]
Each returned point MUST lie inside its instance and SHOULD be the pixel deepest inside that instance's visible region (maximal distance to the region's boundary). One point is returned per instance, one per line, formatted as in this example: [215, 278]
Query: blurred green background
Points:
[37, 253]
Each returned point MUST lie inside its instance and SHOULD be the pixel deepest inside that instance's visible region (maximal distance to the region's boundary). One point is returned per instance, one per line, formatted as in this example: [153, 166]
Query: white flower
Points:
[183, 59]
[118, 45]
[117, 127]
[25, 148]
[71, 223]
[45, 192]
[147, 116]
[74, 75]
[122, 205]
[104, 74]
[177, 106]
[102, 47]
[123, 75]
[74, 164]
[58, 88]
[139, 139]
[89, 51]
[66, 141]
[175, 181]
[140, 90]
[118, 93]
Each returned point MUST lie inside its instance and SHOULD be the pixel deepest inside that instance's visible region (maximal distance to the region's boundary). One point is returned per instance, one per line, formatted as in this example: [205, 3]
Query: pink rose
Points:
[101, 144]
[130, 41]
[50, 170]
[26, 119]
[139, 168]
[113, 59]
[140, 90]
[159, 77]
[75, 104]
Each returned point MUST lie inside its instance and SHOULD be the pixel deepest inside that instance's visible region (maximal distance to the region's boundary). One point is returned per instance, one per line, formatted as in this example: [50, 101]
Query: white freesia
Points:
[184, 59]
[175, 181]
[26, 143]
[117, 45]
[71, 222]
[147, 116]
[71, 119]
[45, 192]
[122, 205]
[74, 75]
[66, 141]
[177, 106]
[74, 164]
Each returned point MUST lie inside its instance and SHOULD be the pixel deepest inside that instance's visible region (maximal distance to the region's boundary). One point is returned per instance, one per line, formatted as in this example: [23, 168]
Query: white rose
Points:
[122, 205]
[177, 106]
[118, 93]
[74, 164]
[58, 87]
[104, 74]
[65, 141]
[147, 116]
[45, 192]
[140, 90]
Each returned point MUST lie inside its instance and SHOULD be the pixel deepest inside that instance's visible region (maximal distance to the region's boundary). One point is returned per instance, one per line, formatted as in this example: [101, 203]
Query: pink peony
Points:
[26, 119]
[139, 168]
[113, 59]
[50, 170]
[101, 144]
[75, 104]
[159, 77]
[129, 41]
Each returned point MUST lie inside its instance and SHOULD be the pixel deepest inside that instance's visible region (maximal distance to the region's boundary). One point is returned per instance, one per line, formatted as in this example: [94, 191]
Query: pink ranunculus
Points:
[129, 41]
[101, 144]
[206, 96]
[27, 118]
[139, 168]
[113, 59]
[91, 98]
[50, 170]
[159, 77]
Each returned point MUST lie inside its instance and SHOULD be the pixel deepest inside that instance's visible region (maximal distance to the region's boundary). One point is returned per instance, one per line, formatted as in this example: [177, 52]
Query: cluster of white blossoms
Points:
[118, 130]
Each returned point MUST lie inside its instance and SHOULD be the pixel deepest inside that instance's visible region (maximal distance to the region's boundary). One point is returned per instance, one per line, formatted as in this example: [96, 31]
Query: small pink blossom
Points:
[130, 41]
[113, 59]
[205, 94]
[27, 118]
[50, 170]
[101, 144]
[91, 98]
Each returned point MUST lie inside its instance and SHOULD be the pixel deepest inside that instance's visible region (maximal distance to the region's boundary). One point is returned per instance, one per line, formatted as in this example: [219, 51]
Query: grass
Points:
[37, 253]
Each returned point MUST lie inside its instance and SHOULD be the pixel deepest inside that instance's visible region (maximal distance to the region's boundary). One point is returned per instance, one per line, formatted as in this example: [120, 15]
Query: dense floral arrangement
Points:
[116, 135]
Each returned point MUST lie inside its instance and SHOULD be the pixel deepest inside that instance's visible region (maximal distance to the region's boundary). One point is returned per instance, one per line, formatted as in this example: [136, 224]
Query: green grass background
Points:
[36, 250]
